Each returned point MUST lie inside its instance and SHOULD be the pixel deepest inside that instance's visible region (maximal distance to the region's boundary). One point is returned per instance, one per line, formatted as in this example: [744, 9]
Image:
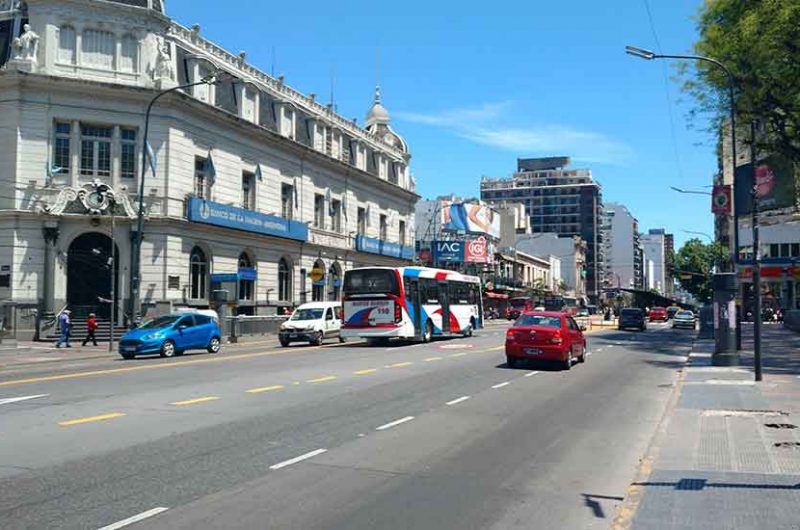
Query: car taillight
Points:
[556, 339]
[398, 312]
[510, 335]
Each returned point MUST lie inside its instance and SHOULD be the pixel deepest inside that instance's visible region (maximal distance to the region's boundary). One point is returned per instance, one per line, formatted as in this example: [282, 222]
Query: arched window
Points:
[318, 287]
[246, 287]
[284, 281]
[66, 45]
[97, 48]
[334, 281]
[129, 54]
[198, 274]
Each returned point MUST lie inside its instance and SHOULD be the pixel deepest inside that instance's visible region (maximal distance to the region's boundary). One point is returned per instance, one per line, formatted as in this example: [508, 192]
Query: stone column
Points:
[50, 234]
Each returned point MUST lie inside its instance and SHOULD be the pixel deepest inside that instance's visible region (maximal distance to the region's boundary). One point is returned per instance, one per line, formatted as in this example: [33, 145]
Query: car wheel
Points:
[168, 349]
[283, 342]
[582, 358]
[342, 340]
[568, 362]
[317, 340]
[128, 356]
[511, 362]
[468, 331]
[427, 335]
[213, 345]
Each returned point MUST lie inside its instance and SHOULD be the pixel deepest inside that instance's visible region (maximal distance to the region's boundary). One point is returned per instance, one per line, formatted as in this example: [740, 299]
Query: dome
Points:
[155, 5]
[377, 115]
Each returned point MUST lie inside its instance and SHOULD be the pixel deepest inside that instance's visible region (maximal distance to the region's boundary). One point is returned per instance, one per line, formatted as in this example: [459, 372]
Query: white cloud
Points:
[486, 125]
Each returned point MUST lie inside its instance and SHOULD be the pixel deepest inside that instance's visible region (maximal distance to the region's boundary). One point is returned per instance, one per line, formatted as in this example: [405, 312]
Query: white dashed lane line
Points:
[501, 385]
[6, 401]
[394, 423]
[135, 518]
[297, 459]
[457, 400]
[531, 374]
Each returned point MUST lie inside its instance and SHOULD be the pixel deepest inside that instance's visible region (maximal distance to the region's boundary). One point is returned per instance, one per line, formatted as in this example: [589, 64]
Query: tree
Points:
[759, 41]
[694, 264]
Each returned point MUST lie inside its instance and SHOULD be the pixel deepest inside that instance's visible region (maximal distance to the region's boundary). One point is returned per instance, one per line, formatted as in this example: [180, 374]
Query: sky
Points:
[471, 91]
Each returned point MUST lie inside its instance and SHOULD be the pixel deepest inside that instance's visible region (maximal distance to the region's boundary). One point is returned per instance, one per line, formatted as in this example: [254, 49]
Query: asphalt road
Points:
[344, 436]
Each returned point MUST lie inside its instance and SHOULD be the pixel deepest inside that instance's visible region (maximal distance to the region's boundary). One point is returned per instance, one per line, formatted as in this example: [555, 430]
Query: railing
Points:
[250, 326]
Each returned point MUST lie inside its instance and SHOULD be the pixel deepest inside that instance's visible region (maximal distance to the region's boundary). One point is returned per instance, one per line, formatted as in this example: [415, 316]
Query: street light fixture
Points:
[695, 232]
[726, 283]
[694, 192]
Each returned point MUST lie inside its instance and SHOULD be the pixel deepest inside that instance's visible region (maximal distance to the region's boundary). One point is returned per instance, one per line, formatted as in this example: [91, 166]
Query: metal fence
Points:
[251, 326]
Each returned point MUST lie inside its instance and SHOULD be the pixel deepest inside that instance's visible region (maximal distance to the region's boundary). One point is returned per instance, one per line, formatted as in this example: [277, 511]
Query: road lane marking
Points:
[366, 372]
[501, 385]
[394, 423]
[195, 400]
[458, 354]
[6, 401]
[264, 389]
[135, 519]
[400, 365]
[322, 379]
[458, 400]
[298, 459]
[90, 419]
[431, 359]
[497, 348]
[531, 374]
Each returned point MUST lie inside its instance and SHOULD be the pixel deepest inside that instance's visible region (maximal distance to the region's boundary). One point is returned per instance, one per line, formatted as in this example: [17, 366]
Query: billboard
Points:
[460, 251]
[775, 185]
[470, 218]
[476, 251]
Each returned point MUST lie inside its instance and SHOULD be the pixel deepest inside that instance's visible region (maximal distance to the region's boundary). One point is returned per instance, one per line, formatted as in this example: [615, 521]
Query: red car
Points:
[658, 313]
[545, 336]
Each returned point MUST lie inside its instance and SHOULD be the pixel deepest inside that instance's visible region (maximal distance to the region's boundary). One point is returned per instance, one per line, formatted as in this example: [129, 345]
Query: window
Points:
[362, 221]
[129, 54]
[248, 191]
[319, 211]
[773, 251]
[383, 227]
[66, 45]
[95, 151]
[198, 275]
[401, 236]
[201, 186]
[796, 250]
[784, 250]
[127, 153]
[284, 281]
[97, 49]
[336, 215]
[246, 287]
[61, 150]
[287, 200]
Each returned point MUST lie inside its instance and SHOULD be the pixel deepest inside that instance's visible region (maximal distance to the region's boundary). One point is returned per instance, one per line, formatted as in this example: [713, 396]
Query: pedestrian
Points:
[91, 326]
[65, 328]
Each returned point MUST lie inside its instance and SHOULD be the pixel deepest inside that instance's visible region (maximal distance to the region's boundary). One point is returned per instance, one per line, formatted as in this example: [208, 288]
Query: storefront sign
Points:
[476, 251]
[384, 248]
[214, 213]
[448, 251]
[721, 200]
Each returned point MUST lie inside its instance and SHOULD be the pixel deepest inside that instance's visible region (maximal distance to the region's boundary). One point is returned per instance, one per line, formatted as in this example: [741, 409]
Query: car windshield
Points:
[685, 314]
[539, 320]
[631, 312]
[307, 314]
[160, 322]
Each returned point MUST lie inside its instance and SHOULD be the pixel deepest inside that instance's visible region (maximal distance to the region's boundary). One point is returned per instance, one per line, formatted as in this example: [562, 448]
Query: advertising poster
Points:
[470, 218]
[775, 185]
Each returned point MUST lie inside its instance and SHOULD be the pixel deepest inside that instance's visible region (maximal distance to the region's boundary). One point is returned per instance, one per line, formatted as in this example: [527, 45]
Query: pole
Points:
[113, 283]
[756, 260]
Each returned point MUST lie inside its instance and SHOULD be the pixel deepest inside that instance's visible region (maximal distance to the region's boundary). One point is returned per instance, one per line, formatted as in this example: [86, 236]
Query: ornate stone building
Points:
[252, 187]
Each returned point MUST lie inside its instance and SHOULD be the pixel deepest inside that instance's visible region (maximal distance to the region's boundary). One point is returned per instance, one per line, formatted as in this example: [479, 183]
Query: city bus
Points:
[567, 304]
[417, 303]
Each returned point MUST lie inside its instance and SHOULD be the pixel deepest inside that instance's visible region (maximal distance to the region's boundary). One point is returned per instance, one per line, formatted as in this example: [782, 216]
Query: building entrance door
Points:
[89, 275]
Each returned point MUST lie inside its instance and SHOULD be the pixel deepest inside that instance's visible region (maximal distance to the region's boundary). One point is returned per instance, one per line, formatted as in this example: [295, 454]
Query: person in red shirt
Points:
[91, 326]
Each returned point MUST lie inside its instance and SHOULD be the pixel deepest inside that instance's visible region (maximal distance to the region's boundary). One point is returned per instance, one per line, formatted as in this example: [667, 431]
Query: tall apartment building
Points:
[669, 263]
[653, 244]
[624, 256]
[563, 201]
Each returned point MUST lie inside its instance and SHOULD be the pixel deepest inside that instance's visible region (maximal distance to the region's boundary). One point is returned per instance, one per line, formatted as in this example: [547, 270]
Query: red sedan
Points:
[658, 313]
[545, 336]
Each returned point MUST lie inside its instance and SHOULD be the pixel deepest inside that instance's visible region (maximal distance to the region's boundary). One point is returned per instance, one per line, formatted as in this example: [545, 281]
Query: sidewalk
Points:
[727, 453]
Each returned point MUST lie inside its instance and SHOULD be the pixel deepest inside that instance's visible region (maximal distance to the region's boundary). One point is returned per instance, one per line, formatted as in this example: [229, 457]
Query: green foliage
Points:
[759, 41]
[694, 263]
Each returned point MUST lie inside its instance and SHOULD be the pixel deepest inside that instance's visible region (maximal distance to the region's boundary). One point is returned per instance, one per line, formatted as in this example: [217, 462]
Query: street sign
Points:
[316, 274]
[721, 199]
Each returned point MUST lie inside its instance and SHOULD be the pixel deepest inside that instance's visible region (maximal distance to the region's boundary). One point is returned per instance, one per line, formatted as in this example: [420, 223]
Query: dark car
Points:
[631, 317]
[545, 336]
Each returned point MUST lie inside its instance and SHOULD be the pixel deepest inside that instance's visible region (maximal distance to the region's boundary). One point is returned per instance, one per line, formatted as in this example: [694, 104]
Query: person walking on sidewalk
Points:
[91, 326]
[65, 327]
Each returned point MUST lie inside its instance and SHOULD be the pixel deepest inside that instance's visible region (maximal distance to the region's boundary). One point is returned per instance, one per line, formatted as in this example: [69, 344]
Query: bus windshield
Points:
[371, 281]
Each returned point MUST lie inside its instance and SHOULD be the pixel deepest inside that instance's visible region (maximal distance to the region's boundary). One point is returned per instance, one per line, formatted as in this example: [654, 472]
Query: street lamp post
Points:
[727, 335]
[136, 240]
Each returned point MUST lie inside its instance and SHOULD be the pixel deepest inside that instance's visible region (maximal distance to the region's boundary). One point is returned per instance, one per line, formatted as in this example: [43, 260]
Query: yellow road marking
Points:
[195, 400]
[429, 359]
[215, 359]
[400, 365]
[90, 419]
[365, 372]
[458, 354]
[264, 389]
[322, 379]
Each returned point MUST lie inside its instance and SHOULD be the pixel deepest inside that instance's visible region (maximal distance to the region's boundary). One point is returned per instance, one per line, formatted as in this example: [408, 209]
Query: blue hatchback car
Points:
[171, 335]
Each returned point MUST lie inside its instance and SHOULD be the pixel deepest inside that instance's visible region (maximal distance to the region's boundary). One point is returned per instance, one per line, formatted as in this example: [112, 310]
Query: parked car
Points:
[171, 335]
[658, 313]
[545, 336]
[632, 317]
[671, 310]
[312, 323]
[684, 319]
[582, 312]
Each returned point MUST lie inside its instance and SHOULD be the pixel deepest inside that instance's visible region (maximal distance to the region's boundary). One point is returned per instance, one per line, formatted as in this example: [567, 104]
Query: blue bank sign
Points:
[214, 213]
[384, 248]
[448, 251]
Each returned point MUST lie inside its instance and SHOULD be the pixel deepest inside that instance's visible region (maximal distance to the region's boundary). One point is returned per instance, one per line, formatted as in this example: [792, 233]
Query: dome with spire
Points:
[378, 121]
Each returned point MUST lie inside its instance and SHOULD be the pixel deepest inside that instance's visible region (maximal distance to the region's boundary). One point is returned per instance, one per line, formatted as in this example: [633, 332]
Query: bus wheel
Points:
[427, 335]
[470, 327]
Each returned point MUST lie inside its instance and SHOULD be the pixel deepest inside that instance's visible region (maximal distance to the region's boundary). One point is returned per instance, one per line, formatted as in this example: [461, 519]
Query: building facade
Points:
[559, 200]
[254, 192]
[623, 250]
[654, 248]
[570, 251]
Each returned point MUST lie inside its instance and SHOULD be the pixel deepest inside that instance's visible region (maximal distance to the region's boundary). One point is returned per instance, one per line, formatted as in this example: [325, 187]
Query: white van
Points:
[313, 323]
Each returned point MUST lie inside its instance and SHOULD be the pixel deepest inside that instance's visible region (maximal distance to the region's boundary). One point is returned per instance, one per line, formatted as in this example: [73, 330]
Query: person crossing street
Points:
[65, 327]
[91, 327]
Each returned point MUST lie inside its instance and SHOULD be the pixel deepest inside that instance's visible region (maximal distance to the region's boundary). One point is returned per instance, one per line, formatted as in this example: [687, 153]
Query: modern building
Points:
[571, 253]
[623, 251]
[780, 265]
[669, 264]
[559, 200]
[253, 189]
[654, 248]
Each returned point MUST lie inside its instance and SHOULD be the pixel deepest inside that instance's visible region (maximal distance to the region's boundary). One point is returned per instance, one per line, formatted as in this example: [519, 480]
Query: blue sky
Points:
[471, 91]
